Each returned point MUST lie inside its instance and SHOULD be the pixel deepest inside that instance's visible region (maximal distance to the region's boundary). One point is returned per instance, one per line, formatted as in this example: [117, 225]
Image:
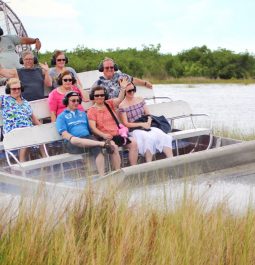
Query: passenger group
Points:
[111, 122]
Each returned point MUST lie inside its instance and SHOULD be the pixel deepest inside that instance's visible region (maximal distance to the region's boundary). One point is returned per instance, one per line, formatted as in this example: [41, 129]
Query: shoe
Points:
[109, 147]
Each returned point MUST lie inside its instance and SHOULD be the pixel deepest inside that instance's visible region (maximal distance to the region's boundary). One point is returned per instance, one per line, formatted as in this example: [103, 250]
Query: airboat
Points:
[196, 149]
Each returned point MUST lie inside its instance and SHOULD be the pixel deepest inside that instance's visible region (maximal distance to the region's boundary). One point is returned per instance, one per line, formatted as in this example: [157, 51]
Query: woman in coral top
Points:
[66, 82]
[104, 126]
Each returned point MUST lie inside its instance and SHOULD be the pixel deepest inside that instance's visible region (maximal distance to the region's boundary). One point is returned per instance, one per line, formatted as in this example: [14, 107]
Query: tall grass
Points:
[236, 133]
[112, 230]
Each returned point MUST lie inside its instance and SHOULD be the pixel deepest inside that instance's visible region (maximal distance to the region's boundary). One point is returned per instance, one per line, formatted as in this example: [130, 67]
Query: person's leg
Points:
[145, 143]
[168, 151]
[148, 156]
[42, 151]
[132, 152]
[163, 142]
[22, 154]
[115, 157]
[100, 164]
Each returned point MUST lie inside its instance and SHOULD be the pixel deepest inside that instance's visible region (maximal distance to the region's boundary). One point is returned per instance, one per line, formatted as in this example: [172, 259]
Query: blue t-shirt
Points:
[74, 122]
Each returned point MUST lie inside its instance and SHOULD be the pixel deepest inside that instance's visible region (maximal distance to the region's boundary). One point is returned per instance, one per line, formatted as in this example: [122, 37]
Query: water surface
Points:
[231, 106]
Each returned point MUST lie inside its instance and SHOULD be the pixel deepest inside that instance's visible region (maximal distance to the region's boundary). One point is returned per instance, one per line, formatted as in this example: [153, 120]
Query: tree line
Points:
[150, 63]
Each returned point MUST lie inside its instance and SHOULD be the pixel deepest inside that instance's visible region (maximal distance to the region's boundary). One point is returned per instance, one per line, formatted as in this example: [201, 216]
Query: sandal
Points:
[109, 147]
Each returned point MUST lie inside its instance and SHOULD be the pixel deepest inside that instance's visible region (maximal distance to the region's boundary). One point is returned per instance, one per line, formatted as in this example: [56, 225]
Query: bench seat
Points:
[46, 161]
[179, 135]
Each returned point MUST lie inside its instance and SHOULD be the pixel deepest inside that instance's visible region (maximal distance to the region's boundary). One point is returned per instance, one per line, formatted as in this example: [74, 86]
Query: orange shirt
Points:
[103, 118]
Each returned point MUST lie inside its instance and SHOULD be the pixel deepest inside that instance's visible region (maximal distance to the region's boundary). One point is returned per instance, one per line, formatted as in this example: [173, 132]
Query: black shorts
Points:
[74, 149]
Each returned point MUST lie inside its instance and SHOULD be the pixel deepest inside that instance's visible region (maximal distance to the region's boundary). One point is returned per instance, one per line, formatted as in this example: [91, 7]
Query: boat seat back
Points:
[88, 78]
[40, 108]
[179, 109]
[2, 90]
[29, 136]
[171, 109]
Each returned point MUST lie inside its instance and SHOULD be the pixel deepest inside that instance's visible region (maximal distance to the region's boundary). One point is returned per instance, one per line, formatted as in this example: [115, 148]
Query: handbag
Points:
[143, 118]
[122, 130]
[161, 122]
[156, 121]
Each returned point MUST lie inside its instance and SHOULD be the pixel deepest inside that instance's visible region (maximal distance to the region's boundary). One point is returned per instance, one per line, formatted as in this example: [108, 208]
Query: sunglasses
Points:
[67, 79]
[99, 95]
[108, 67]
[75, 100]
[131, 91]
[59, 60]
[16, 88]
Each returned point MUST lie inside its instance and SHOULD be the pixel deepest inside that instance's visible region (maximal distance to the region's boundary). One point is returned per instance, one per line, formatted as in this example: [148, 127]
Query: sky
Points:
[175, 25]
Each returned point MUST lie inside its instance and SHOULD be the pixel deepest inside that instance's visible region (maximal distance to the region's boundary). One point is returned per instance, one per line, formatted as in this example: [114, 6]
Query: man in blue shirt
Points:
[73, 125]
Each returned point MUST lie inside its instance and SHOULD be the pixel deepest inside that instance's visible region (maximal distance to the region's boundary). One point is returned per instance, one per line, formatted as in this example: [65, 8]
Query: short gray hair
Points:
[25, 53]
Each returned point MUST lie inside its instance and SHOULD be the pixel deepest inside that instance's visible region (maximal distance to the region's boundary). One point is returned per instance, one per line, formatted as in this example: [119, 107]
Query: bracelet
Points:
[145, 83]
[70, 138]
[36, 39]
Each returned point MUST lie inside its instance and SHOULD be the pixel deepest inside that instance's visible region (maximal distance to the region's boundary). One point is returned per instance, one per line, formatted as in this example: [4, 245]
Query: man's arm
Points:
[66, 135]
[140, 82]
[36, 41]
[8, 73]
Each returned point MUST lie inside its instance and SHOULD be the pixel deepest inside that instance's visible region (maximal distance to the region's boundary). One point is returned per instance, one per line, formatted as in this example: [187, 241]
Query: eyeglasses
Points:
[59, 60]
[67, 79]
[131, 91]
[108, 67]
[99, 95]
[28, 59]
[75, 100]
[16, 88]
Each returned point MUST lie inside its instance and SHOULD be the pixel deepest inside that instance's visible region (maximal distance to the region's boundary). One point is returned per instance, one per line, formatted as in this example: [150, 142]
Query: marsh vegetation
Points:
[112, 229]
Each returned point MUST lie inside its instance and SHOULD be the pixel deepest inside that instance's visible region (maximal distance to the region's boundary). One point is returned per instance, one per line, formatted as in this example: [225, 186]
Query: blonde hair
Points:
[12, 81]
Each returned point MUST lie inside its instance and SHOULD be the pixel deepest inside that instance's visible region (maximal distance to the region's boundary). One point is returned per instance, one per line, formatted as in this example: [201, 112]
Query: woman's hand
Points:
[124, 82]
[107, 136]
[149, 120]
[146, 125]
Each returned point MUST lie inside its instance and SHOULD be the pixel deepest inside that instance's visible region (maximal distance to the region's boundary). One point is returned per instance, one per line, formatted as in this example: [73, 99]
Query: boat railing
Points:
[179, 109]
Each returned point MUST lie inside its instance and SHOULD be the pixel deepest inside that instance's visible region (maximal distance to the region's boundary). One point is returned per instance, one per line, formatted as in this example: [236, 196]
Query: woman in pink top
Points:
[66, 83]
[104, 126]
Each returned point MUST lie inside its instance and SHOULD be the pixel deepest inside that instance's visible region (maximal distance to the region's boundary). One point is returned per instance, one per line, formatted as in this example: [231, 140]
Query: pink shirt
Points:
[103, 118]
[55, 101]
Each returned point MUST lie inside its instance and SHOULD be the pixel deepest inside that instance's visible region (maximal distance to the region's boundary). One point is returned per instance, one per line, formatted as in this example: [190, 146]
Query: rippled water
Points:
[231, 106]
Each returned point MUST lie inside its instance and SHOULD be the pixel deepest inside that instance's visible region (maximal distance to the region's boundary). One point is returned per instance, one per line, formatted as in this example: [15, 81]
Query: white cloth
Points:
[153, 140]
